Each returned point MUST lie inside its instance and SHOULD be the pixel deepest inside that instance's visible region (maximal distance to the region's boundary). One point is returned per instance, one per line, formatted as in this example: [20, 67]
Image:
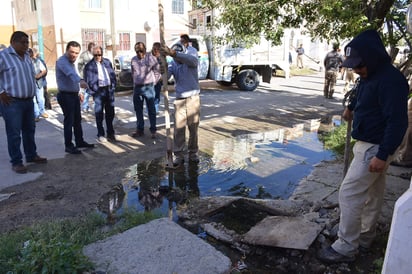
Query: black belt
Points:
[69, 92]
[184, 98]
[145, 85]
[21, 99]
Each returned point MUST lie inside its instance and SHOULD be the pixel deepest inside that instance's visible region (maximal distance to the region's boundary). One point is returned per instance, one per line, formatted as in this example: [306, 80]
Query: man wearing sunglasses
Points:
[101, 79]
[379, 112]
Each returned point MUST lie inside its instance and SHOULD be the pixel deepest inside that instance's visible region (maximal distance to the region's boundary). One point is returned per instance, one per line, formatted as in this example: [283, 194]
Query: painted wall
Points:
[6, 21]
[62, 21]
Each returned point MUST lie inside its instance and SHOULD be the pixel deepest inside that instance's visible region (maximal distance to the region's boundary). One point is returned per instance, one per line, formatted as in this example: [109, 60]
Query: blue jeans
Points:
[85, 104]
[103, 107]
[19, 120]
[38, 102]
[158, 88]
[140, 94]
[70, 104]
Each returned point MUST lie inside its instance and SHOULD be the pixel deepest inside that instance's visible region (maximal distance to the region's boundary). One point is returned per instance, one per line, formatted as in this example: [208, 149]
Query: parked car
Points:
[122, 68]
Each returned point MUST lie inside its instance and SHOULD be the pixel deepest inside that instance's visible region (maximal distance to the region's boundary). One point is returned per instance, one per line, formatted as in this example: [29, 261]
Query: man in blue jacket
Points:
[380, 119]
[101, 78]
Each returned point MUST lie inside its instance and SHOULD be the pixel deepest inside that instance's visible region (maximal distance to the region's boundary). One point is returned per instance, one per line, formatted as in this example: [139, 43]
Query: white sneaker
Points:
[101, 139]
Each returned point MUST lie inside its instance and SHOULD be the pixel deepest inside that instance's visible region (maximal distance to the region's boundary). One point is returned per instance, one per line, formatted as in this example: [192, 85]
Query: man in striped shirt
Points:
[17, 89]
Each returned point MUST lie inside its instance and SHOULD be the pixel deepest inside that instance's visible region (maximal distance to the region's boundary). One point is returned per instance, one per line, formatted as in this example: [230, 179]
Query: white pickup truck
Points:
[224, 64]
[243, 66]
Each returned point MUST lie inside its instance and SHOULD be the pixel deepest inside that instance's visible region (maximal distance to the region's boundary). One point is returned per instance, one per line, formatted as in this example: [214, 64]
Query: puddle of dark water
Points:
[261, 165]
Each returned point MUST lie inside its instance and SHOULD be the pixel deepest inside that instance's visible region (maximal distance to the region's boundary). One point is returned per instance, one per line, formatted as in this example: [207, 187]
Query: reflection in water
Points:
[149, 175]
[265, 165]
[111, 201]
[149, 186]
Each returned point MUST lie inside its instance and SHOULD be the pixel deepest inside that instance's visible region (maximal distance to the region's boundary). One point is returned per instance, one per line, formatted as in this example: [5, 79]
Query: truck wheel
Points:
[224, 83]
[247, 79]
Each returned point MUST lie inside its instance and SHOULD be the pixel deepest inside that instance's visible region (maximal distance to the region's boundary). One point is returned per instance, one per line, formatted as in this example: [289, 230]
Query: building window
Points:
[93, 35]
[177, 7]
[124, 41]
[94, 4]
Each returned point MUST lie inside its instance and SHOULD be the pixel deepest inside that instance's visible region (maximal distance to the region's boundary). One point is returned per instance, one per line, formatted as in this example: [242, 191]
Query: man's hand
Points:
[81, 97]
[83, 84]
[377, 165]
[165, 50]
[347, 115]
[5, 98]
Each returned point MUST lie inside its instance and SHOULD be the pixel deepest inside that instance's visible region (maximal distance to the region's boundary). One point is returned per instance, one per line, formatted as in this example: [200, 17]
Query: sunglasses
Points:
[140, 51]
[95, 55]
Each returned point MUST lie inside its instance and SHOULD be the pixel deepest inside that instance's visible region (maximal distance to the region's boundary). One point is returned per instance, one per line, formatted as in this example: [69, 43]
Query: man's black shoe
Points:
[329, 255]
[84, 144]
[73, 150]
[111, 138]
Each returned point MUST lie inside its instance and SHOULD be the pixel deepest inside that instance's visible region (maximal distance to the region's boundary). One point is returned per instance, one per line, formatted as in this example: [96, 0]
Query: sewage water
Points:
[266, 165]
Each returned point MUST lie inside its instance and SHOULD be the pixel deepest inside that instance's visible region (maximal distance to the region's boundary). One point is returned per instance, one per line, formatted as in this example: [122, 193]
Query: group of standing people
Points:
[20, 85]
[146, 73]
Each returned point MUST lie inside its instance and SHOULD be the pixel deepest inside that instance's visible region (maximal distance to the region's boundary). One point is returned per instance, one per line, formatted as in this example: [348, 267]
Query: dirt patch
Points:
[69, 187]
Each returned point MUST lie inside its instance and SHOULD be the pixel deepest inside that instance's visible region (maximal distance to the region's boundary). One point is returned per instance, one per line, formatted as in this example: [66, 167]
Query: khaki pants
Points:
[349, 79]
[360, 201]
[187, 114]
[299, 61]
[330, 82]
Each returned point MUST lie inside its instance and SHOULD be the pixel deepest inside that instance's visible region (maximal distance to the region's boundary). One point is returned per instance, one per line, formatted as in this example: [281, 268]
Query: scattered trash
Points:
[239, 266]
[202, 234]
[5, 196]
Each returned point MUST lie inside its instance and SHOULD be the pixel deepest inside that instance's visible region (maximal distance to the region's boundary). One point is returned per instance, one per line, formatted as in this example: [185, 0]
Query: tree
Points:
[329, 20]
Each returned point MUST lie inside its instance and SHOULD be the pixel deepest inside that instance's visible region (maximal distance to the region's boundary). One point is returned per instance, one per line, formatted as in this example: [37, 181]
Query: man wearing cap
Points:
[187, 104]
[332, 63]
[379, 113]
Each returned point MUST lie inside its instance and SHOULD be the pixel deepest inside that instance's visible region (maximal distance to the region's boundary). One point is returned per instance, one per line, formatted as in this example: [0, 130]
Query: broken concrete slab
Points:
[160, 246]
[207, 206]
[285, 232]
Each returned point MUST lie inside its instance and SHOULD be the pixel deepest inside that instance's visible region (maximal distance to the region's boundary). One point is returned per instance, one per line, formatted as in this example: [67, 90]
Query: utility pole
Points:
[12, 16]
[113, 29]
[39, 29]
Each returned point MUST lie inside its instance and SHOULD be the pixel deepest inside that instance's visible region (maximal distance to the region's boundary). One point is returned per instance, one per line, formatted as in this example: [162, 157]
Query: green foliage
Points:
[336, 140]
[245, 21]
[56, 246]
[131, 218]
[329, 20]
[53, 255]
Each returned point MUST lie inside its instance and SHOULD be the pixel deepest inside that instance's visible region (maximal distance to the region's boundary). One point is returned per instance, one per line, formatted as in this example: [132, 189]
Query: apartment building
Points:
[116, 25]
